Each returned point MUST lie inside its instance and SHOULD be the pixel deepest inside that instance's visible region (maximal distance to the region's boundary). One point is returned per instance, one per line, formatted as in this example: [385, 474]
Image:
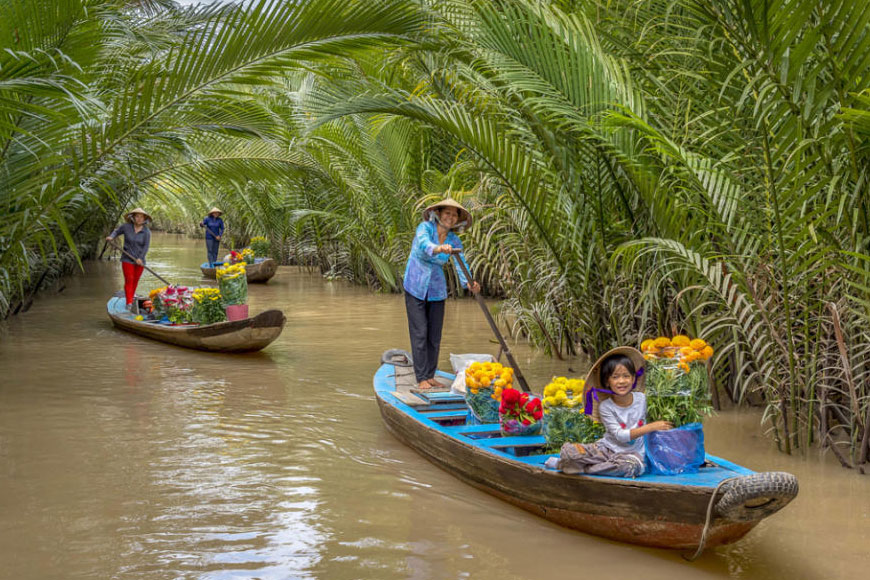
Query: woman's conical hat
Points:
[464, 215]
[129, 214]
[214, 210]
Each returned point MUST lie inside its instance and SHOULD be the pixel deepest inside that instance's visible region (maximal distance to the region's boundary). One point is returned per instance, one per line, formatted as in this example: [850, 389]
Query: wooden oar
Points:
[117, 247]
[504, 347]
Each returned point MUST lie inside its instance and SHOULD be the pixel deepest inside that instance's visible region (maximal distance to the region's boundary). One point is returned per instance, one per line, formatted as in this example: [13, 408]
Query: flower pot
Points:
[237, 311]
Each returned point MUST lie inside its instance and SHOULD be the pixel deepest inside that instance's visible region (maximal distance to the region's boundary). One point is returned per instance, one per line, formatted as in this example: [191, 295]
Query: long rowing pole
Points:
[117, 247]
[504, 347]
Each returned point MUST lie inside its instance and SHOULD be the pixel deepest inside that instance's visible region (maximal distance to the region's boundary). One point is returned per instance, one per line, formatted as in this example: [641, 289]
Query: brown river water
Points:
[122, 457]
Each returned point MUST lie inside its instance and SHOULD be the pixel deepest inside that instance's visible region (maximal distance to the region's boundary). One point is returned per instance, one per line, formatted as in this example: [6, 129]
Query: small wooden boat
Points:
[718, 505]
[248, 335]
[260, 271]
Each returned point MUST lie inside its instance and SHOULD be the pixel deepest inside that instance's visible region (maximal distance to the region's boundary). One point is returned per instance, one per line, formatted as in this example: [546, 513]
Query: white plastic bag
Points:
[460, 362]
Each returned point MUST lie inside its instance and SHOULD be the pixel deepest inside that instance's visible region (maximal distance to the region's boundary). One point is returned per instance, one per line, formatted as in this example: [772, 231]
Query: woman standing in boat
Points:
[214, 229]
[137, 239]
[426, 287]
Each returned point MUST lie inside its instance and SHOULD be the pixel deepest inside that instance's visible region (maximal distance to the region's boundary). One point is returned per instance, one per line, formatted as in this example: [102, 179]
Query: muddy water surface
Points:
[122, 457]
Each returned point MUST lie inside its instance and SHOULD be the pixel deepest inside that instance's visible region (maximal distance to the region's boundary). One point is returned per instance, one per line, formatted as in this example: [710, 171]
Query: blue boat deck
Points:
[439, 409]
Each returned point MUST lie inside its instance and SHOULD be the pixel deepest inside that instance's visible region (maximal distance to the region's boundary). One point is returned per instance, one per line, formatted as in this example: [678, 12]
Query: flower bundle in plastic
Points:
[564, 419]
[677, 384]
[248, 255]
[519, 413]
[260, 245]
[176, 303]
[233, 283]
[484, 384]
[208, 307]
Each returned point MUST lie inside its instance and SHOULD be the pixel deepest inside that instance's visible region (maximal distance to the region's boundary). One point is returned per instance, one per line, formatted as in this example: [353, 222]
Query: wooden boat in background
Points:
[248, 335]
[259, 271]
[723, 499]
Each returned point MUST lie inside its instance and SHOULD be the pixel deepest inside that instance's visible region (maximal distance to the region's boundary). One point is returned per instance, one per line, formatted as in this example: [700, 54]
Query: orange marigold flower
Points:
[680, 340]
[698, 344]
[662, 342]
[647, 345]
[707, 352]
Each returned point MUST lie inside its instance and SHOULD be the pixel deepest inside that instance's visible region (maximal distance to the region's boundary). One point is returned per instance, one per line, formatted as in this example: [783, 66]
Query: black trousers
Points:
[425, 321]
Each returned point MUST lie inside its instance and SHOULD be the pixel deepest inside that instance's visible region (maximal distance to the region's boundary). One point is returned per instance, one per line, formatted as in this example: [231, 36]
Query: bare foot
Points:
[424, 385]
[434, 383]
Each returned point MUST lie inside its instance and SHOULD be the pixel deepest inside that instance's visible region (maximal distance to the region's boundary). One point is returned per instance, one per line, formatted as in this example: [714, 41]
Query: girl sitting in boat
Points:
[621, 407]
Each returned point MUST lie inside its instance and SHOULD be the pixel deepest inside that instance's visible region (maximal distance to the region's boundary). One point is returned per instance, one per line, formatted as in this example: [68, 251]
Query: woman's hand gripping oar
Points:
[137, 261]
[504, 347]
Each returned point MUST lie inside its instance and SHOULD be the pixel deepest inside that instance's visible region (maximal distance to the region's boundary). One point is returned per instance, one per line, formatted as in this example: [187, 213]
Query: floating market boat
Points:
[716, 506]
[260, 271]
[248, 335]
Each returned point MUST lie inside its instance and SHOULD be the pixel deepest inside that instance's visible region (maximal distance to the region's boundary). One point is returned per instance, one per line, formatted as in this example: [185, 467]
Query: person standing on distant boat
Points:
[214, 229]
[426, 287]
[137, 240]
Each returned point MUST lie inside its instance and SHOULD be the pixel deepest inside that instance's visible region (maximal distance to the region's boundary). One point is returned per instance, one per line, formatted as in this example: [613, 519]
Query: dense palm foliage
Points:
[635, 167]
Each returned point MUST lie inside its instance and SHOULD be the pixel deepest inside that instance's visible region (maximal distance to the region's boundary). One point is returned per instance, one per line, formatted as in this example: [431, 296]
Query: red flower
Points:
[523, 398]
[538, 414]
[510, 396]
[526, 422]
[622, 425]
[640, 423]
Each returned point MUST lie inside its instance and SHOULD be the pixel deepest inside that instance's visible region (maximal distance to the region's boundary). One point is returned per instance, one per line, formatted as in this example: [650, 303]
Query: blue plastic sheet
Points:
[679, 450]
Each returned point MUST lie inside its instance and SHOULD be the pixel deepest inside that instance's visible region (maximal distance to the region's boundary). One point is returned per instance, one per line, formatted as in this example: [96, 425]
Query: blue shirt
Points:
[424, 274]
[213, 226]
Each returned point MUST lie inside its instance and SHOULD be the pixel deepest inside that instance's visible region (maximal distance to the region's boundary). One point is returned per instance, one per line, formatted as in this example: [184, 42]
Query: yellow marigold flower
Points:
[140, 317]
[662, 342]
[707, 352]
[684, 366]
[500, 383]
[576, 384]
[686, 351]
[698, 344]
[469, 381]
[680, 340]
[693, 357]
[646, 345]
[550, 401]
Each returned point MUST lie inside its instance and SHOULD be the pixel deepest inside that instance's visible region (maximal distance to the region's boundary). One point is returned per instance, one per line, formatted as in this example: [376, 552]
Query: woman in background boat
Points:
[426, 287]
[622, 409]
[214, 229]
[137, 240]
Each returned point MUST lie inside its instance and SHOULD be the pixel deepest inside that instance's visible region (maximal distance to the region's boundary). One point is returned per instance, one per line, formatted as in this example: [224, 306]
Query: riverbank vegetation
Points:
[635, 168]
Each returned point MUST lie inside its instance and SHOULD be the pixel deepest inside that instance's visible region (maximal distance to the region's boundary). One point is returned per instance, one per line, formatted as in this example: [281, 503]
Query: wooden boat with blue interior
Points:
[718, 505]
[261, 270]
[247, 335]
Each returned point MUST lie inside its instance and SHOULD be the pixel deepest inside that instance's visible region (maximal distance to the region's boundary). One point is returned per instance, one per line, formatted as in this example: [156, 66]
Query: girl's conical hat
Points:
[593, 378]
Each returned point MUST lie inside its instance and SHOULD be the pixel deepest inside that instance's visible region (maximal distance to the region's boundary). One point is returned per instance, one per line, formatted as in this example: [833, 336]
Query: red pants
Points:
[132, 273]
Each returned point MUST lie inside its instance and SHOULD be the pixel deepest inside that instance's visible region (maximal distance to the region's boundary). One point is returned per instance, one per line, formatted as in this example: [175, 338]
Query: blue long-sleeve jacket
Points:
[213, 226]
[424, 273]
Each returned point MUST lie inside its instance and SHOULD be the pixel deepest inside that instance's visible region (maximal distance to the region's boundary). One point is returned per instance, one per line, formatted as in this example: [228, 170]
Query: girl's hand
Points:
[109, 238]
[139, 261]
[444, 249]
[661, 426]
[474, 287]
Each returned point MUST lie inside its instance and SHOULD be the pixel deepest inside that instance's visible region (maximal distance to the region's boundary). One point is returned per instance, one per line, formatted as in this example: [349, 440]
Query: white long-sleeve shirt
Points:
[619, 421]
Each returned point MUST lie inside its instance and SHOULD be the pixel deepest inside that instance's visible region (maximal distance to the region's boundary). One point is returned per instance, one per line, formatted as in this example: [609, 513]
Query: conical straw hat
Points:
[129, 215]
[593, 378]
[464, 215]
[214, 210]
